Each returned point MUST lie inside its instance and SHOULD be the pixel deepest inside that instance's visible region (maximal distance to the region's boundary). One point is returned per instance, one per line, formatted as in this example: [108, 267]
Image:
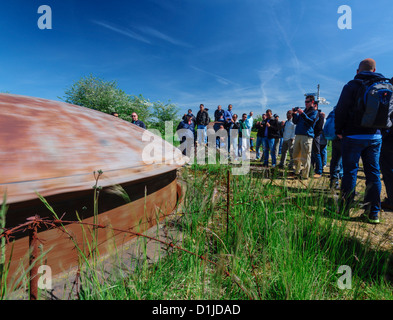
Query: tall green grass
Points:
[3, 265]
[278, 243]
[273, 242]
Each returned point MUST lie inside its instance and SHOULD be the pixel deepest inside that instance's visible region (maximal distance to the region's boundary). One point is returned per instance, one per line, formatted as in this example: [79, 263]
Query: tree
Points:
[162, 113]
[105, 96]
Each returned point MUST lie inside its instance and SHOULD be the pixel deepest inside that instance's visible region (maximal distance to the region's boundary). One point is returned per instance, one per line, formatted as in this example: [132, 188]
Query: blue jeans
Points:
[316, 162]
[316, 157]
[216, 127]
[202, 134]
[369, 150]
[259, 143]
[228, 127]
[324, 155]
[268, 146]
[280, 147]
[386, 163]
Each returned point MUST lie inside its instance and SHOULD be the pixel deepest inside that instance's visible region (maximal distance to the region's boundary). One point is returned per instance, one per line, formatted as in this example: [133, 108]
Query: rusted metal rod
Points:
[33, 250]
[228, 199]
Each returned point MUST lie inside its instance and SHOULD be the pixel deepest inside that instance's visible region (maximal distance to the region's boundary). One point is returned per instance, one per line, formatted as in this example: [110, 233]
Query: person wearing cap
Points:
[189, 113]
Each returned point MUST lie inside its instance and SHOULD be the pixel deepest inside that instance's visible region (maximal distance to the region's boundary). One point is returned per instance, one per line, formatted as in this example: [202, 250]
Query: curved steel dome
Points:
[52, 148]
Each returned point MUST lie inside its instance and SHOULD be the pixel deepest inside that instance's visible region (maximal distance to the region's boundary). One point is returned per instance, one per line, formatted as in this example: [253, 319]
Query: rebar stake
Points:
[33, 249]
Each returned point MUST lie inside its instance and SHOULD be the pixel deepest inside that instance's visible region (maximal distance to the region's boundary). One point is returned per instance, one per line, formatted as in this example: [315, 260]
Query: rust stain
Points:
[53, 147]
[63, 254]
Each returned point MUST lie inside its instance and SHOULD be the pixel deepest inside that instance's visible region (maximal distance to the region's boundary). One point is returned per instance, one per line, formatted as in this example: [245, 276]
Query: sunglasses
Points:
[307, 101]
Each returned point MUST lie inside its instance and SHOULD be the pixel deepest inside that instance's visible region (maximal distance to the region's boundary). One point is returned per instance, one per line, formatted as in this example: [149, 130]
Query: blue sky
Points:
[254, 54]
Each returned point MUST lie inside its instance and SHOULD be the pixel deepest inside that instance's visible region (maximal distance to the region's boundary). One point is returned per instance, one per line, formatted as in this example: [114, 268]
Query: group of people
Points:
[302, 137]
[231, 134]
[273, 136]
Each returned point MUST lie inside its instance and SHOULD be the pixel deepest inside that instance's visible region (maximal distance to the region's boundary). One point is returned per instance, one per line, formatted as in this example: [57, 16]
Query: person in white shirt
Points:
[288, 139]
[250, 123]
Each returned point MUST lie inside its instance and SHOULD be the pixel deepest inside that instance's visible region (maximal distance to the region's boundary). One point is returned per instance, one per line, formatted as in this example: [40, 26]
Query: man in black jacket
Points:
[316, 155]
[357, 142]
[202, 120]
[136, 121]
[270, 129]
[260, 135]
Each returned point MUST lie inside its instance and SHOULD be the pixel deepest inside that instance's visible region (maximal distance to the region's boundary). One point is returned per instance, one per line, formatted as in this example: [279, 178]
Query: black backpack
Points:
[374, 103]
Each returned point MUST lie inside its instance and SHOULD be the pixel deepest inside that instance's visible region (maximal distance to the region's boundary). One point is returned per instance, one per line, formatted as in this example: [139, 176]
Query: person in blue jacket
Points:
[186, 132]
[359, 142]
[304, 134]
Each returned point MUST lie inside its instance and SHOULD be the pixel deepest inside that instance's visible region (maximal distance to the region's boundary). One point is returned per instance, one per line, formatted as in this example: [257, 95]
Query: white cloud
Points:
[123, 31]
[218, 78]
[158, 34]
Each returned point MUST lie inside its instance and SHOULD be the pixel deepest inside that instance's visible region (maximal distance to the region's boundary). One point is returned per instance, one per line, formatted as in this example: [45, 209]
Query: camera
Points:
[296, 109]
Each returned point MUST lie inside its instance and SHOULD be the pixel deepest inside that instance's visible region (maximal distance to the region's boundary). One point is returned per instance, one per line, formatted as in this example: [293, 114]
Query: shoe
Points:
[374, 221]
[316, 176]
[363, 217]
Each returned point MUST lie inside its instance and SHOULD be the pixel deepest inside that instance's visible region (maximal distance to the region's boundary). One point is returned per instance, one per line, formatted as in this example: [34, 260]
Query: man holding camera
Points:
[304, 121]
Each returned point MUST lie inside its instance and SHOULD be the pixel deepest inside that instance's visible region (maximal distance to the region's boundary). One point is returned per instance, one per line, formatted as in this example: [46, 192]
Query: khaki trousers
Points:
[302, 154]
